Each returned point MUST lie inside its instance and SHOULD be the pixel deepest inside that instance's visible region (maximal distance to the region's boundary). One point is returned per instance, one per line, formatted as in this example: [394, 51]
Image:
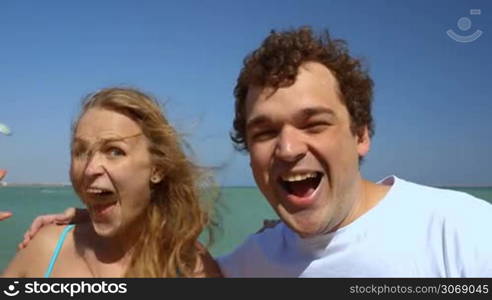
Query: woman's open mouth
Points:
[103, 209]
[101, 201]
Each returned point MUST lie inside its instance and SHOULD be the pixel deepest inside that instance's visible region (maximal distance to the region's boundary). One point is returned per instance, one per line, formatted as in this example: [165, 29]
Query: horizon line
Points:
[4, 183]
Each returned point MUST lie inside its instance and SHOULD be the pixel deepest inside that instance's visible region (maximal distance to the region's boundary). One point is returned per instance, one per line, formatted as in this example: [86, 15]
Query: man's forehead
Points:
[256, 91]
[315, 92]
[315, 72]
[324, 86]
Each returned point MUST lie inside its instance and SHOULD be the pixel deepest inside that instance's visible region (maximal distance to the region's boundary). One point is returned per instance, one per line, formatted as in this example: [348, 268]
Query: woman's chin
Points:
[104, 229]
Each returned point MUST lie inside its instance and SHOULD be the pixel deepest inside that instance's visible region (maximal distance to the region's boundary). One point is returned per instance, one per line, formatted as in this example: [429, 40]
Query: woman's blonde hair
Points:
[167, 245]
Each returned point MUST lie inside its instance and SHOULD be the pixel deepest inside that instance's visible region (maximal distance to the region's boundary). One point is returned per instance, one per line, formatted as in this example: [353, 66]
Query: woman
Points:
[142, 195]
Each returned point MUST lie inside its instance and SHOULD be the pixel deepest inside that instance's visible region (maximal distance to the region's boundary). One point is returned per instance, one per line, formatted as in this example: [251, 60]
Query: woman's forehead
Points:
[99, 124]
[104, 121]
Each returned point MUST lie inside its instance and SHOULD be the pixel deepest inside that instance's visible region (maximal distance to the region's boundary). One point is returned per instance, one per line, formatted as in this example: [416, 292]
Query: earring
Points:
[155, 179]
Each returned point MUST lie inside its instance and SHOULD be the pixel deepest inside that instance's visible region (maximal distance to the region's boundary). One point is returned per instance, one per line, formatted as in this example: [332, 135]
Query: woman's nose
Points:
[94, 165]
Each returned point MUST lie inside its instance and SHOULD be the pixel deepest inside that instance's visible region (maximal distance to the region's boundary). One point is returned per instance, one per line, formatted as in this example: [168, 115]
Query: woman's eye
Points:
[114, 152]
[79, 153]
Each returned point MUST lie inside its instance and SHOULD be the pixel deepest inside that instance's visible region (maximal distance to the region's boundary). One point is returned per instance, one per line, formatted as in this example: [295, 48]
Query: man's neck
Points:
[367, 195]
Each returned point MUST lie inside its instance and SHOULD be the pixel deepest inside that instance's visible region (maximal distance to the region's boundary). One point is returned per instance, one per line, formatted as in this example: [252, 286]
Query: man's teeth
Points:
[298, 177]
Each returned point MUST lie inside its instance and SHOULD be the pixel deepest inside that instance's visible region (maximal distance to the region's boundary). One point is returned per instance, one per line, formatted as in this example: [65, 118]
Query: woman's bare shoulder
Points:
[49, 234]
[46, 239]
[32, 260]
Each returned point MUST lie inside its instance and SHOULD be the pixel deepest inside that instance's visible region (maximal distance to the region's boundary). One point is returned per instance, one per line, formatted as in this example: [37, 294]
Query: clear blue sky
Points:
[433, 103]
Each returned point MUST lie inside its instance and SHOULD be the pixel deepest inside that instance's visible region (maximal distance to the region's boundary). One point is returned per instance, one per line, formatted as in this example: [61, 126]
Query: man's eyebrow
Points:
[303, 114]
[309, 112]
[257, 121]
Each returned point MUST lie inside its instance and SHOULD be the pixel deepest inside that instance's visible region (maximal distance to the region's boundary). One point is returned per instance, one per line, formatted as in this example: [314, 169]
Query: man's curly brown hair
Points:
[276, 63]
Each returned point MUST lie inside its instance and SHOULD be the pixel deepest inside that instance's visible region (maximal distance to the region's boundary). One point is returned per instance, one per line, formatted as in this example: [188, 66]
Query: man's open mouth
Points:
[301, 184]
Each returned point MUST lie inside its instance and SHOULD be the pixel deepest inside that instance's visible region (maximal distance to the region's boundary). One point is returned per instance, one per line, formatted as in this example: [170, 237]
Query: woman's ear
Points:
[156, 175]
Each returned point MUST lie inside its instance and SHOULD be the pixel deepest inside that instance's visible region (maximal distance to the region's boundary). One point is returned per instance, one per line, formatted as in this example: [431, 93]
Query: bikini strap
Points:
[57, 249]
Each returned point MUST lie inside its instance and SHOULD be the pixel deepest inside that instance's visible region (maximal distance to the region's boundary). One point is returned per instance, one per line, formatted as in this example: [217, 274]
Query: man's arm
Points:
[69, 216]
[207, 266]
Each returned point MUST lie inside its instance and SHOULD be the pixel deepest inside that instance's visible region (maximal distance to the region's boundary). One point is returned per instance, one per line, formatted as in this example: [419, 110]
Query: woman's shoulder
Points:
[32, 260]
[50, 234]
[44, 242]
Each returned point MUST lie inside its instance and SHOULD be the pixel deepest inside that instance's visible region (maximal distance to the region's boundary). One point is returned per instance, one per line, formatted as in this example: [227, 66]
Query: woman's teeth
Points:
[98, 191]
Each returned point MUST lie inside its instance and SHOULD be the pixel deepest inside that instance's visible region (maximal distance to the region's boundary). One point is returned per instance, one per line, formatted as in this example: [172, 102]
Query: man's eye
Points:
[316, 127]
[264, 135]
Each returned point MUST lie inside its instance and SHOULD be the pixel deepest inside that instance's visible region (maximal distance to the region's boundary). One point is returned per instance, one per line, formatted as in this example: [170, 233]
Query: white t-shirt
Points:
[414, 231]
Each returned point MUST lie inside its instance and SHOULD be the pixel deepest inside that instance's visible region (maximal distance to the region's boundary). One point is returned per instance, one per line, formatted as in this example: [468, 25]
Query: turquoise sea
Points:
[241, 211]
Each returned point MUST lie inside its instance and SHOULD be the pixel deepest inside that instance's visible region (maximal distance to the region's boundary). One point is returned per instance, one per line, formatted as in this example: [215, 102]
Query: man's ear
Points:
[363, 143]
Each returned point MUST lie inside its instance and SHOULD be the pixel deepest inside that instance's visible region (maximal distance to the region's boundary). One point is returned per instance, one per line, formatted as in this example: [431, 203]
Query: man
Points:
[303, 113]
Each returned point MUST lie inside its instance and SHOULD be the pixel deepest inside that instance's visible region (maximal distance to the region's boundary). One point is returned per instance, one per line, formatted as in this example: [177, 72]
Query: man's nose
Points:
[290, 146]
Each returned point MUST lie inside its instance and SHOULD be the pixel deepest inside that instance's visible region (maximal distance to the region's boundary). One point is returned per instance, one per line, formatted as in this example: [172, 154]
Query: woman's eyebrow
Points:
[121, 139]
[106, 140]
